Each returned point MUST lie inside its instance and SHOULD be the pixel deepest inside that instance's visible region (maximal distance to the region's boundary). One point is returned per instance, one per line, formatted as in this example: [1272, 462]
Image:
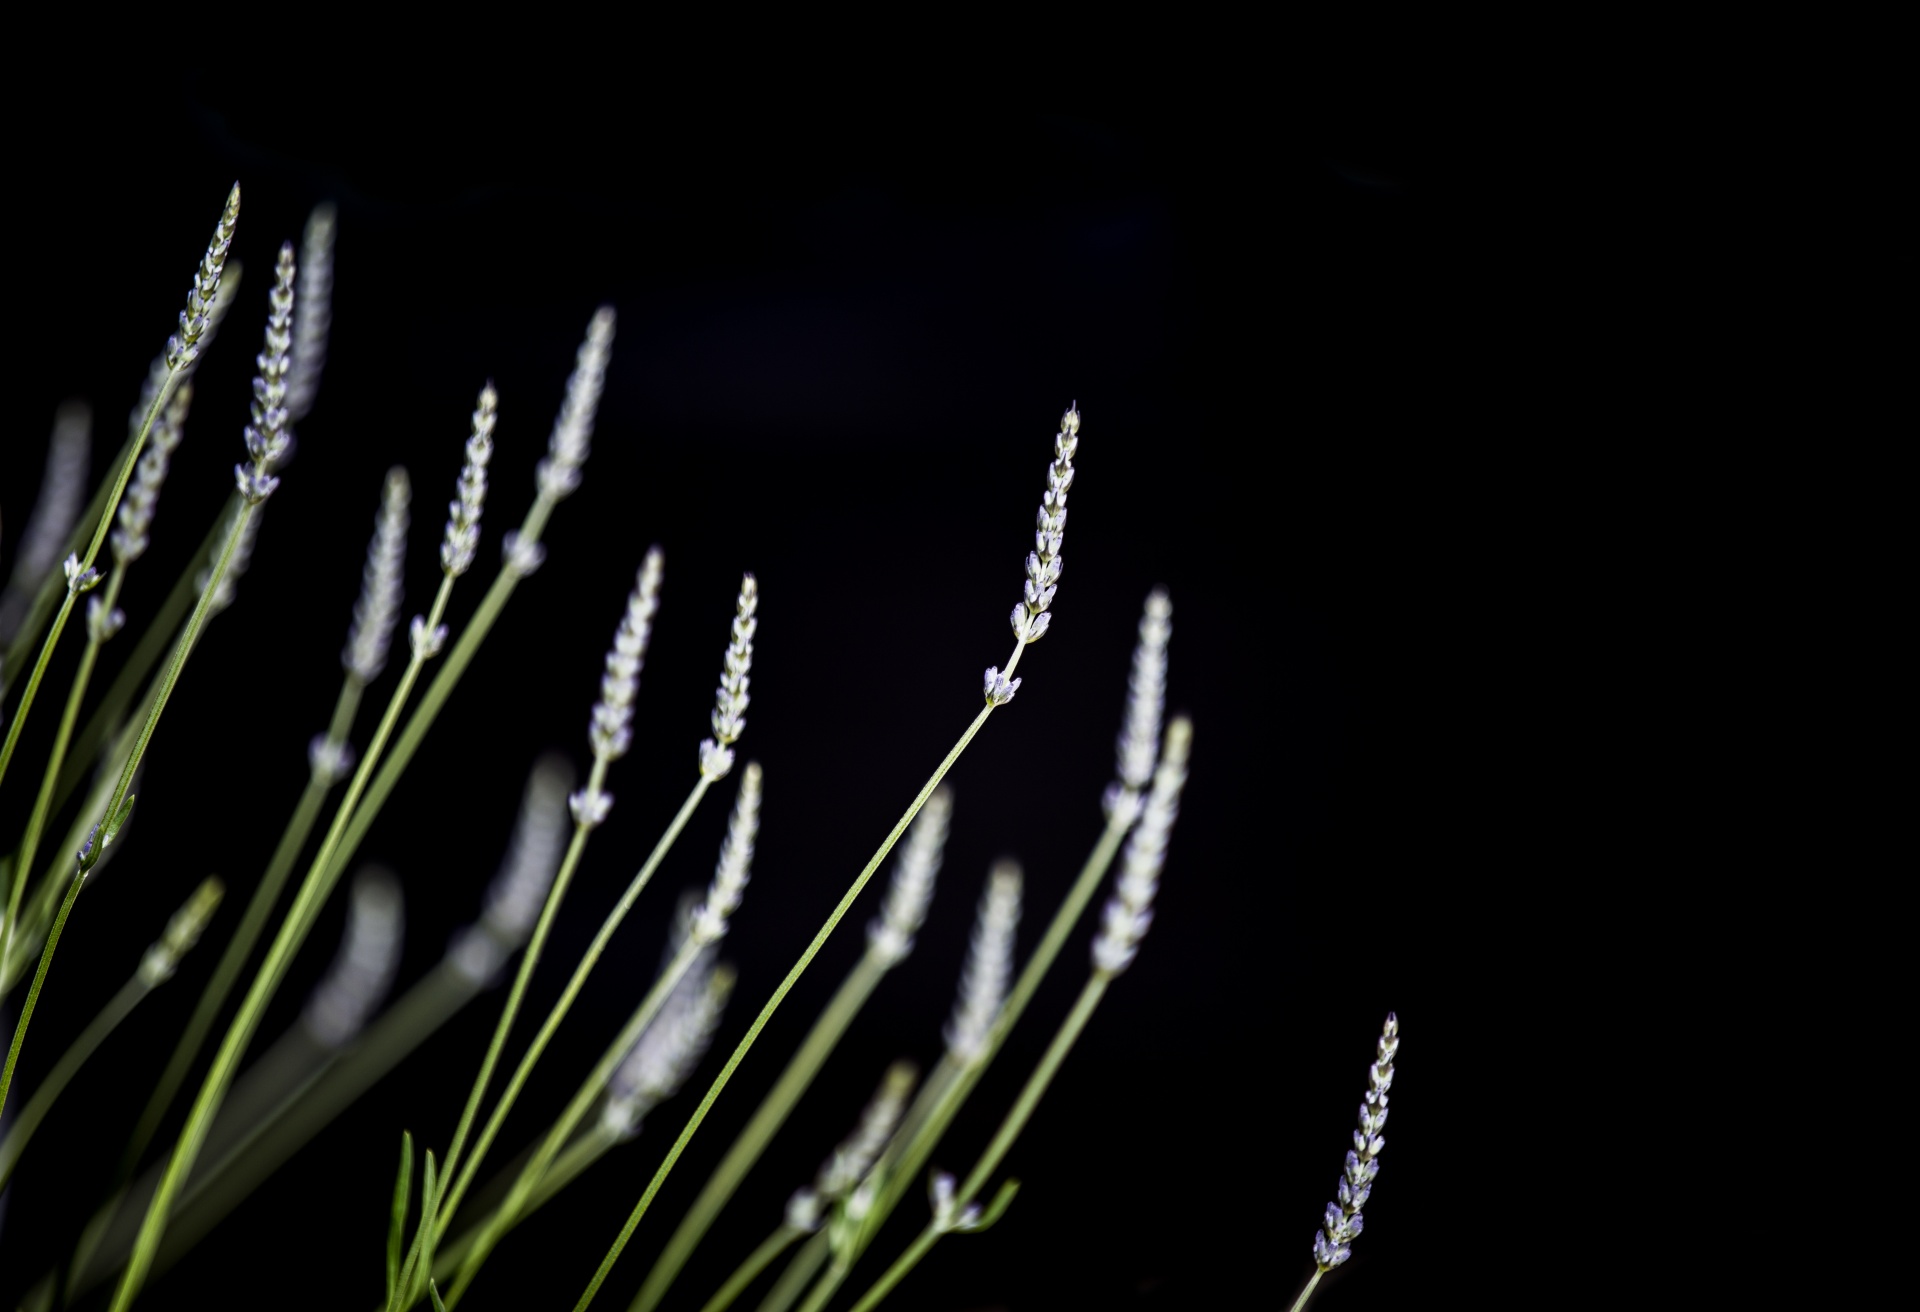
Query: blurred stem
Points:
[773, 1005]
[759, 1131]
[76, 1055]
[293, 929]
[240, 946]
[37, 818]
[1003, 1139]
[33, 990]
[748, 1271]
[801, 1269]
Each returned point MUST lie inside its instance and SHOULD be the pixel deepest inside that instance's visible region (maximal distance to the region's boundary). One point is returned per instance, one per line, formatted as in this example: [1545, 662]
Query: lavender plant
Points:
[246, 1118]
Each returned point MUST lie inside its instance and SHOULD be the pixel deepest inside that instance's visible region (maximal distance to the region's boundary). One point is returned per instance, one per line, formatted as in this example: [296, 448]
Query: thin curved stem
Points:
[118, 1008]
[748, 1271]
[1010, 1128]
[766, 1121]
[565, 1002]
[1306, 1293]
[773, 1005]
[234, 958]
[802, 1267]
[293, 929]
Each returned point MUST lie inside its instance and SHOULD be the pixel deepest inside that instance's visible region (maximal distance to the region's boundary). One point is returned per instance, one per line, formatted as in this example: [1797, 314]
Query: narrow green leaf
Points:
[119, 818]
[397, 1227]
[434, 1289]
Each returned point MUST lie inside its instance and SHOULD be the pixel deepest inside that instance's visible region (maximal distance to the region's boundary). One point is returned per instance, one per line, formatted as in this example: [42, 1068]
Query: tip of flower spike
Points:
[1071, 420]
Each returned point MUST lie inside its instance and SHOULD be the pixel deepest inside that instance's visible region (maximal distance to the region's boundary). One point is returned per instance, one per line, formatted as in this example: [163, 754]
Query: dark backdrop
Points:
[1302, 353]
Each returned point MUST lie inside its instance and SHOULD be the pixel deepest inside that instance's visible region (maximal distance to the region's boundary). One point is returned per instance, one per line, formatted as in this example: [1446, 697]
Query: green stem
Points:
[1300, 1303]
[582, 1153]
[565, 1002]
[93, 549]
[116, 1010]
[772, 1005]
[313, 891]
[801, 1268]
[33, 990]
[1010, 1128]
[241, 945]
[759, 1131]
[590, 1091]
[37, 818]
[748, 1271]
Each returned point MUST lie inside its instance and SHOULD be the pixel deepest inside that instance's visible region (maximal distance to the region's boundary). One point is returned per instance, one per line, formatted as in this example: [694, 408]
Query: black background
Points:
[1310, 362]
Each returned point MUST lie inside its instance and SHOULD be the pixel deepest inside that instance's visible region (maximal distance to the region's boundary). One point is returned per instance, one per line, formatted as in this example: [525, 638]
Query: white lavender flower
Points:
[559, 472]
[267, 440]
[519, 890]
[54, 510]
[730, 701]
[612, 727]
[1332, 1243]
[135, 517]
[736, 860]
[378, 608]
[1138, 747]
[856, 1154]
[101, 622]
[1129, 912]
[667, 1052]
[363, 970]
[890, 934]
[329, 758]
[79, 580]
[983, 984]
[1031, 617]
[184, 347]
[1000, 689]
[463, 514]
[314, 313]
[182, 932]
[948, 1215]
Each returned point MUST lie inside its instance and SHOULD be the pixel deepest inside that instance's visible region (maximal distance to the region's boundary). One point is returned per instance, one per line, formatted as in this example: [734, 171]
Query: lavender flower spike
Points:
[890, 935]
[54, 510]
[518, 891]
[736, 860]
[1130, 911]
[668, 1051]
[730, 702]
[857, 1152]
[183, 348]
[267, 437]
[363, 971]
[1031, 617]
[135, 516]
[463, 514]
[378, 609]
[1332, 1244]
[1138, 748]
[559, 472]
[983, 984]
[315, 312]
[612, 728]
